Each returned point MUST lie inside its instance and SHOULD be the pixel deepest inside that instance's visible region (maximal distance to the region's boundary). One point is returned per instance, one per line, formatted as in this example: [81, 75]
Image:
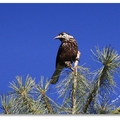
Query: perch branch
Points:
[74, 85]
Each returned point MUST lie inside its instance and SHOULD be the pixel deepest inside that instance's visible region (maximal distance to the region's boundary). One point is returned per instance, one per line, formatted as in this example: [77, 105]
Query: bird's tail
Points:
[56, 75]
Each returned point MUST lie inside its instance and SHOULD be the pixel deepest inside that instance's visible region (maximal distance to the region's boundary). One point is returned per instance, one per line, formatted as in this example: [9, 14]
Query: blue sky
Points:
[27, 32]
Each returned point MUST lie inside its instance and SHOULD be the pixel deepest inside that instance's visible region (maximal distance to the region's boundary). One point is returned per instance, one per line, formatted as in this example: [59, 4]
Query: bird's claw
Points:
[69, 65]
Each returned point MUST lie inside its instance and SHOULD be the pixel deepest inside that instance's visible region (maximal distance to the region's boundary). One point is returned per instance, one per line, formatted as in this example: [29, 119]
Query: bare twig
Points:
[74, 85]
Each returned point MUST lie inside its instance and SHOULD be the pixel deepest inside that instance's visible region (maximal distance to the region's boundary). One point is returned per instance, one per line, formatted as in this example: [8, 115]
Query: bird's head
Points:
[63, 36]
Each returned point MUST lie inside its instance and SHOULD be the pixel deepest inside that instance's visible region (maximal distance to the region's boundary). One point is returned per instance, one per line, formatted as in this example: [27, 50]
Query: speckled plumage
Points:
[67, 52]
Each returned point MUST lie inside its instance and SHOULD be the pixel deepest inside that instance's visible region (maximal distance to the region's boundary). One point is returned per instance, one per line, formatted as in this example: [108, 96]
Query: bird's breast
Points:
[68, 51]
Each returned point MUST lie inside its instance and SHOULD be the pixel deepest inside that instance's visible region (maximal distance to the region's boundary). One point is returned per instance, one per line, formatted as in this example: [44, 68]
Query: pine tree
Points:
[82, 91]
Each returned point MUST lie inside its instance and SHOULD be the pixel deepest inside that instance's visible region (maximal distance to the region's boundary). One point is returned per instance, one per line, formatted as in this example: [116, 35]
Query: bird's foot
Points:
[69, 65]
[72, 68]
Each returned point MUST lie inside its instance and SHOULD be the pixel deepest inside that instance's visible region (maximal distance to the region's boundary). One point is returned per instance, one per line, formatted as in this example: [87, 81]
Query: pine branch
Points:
[23, 102]
[74, 85]
[111, 62]
[5, 104]
[42, 89]
[48, 106]
[95, 90]
[116, 111]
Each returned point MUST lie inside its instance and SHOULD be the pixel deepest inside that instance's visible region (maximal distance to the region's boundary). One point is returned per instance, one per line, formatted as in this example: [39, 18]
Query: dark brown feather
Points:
[67, 52]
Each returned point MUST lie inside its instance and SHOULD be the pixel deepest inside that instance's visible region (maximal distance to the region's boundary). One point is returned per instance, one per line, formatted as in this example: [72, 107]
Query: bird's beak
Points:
[57, 37]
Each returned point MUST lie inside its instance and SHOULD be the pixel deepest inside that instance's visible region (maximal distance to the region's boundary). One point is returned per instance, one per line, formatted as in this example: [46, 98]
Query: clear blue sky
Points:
[27, 32]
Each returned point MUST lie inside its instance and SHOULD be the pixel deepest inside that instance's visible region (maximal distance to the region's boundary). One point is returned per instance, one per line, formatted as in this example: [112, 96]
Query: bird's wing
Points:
[59, 67]
[58, 55]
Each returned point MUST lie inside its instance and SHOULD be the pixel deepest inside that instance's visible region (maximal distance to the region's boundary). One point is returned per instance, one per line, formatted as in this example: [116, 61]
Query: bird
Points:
[66, 54]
